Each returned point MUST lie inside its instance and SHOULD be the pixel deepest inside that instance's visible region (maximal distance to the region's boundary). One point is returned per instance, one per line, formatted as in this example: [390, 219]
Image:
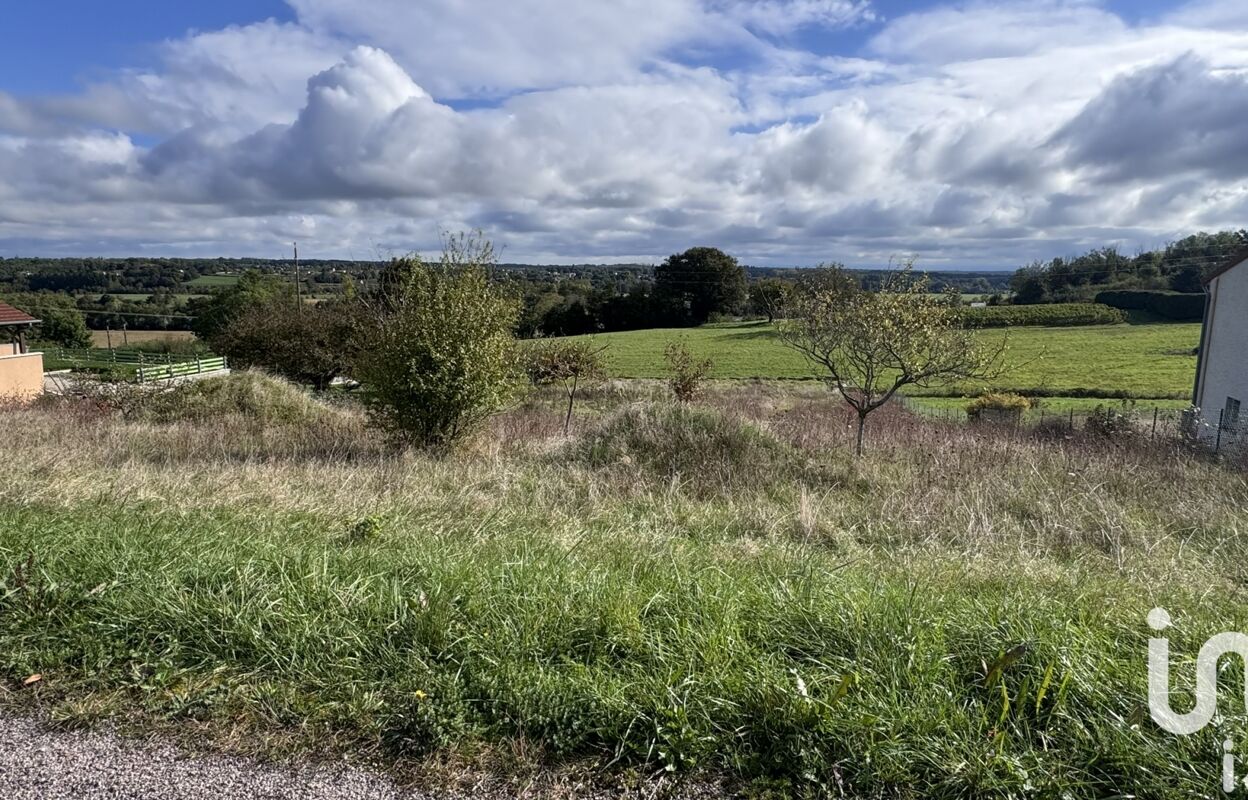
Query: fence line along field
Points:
[1149, 360]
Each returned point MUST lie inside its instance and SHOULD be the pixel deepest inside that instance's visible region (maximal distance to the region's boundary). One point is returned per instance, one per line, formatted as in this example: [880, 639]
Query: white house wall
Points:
[1224, 361]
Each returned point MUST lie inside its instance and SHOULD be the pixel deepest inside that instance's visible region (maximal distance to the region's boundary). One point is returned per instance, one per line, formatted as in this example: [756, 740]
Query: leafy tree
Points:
[575, 364]
[313, 345]
[1029, 286]
[868, 345]
[688, 373]
[254, 289]
[439, 354]
[700, 282]
[64, 327]
[769, 296]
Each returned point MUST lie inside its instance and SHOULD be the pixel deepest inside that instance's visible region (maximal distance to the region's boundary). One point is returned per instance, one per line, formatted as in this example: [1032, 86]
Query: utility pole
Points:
[298, 298]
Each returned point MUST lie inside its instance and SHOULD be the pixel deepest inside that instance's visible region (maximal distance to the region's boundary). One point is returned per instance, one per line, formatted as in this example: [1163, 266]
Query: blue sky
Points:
[52, 46]
[983, 133]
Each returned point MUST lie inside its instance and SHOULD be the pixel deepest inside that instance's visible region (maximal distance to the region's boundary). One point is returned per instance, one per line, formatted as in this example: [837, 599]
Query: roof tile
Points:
[11, 316]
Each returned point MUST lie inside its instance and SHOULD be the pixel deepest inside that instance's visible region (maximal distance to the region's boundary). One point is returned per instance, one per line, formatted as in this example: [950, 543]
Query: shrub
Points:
[180, 346]
[687, 372]
[1003, 402]
[1178, 306]
[440, 357]
[64, 328]
[247, 394]
[1055, 315]
[253, 289]
[310, 344]
[706, 451]
[1108, 423]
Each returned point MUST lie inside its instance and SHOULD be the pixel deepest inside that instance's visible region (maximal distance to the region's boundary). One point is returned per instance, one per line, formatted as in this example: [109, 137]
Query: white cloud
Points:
[780, 17]
[457, 48]
[1219, 14]
[977, 133]
[984, 29]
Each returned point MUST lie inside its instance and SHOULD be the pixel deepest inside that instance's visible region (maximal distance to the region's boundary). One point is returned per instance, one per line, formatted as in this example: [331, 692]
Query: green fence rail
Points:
[106, 356]
[145, 366]
[165, 371]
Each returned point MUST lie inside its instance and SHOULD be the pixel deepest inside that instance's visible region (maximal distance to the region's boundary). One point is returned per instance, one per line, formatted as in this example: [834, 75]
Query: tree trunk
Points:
[862, 426]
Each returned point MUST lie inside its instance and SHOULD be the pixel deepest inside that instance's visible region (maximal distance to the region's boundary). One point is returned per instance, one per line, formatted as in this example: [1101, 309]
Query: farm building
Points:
[21, 372]
[1222, 371]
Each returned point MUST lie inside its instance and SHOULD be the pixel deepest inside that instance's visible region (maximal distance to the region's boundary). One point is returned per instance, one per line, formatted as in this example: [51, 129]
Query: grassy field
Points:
[214, 281]
[715, 593]
[1147, 360]
[1061, 406]
[101, 338]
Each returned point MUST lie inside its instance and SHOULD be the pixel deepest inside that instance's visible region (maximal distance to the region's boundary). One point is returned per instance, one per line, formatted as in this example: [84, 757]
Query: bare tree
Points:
[574, 363]
[868, 345]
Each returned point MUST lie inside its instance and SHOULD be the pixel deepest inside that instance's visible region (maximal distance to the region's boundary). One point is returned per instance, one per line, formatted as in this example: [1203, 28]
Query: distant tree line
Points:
[1178, 267]
[687, 289]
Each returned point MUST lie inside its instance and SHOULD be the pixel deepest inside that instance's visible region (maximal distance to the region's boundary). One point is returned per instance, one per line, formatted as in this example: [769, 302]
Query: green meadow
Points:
[1149, 360]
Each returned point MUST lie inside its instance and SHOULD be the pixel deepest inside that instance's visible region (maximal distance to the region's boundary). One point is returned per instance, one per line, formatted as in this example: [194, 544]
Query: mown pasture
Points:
[1148, 360]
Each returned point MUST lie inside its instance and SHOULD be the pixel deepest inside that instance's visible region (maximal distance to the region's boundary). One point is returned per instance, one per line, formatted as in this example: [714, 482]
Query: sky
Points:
[981, 134]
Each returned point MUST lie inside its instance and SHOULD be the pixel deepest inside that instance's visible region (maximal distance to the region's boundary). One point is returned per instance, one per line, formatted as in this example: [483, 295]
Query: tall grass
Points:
[719, 590]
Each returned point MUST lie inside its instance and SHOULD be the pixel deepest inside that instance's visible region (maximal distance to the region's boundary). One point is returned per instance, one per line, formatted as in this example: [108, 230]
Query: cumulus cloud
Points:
[978, 133]
[1164, 122]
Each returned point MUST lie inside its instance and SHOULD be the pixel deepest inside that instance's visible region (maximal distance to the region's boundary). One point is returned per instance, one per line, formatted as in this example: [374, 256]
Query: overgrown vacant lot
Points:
[1155, 360]
[717, 591]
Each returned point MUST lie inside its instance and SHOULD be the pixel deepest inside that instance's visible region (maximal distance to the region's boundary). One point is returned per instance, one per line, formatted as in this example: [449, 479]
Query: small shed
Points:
[21, 371]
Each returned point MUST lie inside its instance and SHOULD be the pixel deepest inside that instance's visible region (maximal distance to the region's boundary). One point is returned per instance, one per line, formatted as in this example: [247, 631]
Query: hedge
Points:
[1054, 314]
[1171, 305]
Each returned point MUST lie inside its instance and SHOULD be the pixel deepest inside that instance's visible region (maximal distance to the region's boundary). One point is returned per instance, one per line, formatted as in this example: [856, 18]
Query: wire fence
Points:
[1136, 418]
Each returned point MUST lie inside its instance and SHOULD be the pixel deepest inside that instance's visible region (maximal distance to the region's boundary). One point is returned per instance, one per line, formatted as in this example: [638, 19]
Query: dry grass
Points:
[640, 593]
[101, 338]
[924, 483]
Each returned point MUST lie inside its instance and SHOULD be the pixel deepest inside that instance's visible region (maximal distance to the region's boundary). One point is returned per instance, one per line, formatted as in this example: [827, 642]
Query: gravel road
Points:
[40, 764]
[37, 763]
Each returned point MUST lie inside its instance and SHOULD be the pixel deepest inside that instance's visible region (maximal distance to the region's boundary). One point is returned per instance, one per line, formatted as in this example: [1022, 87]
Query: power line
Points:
[106, 312]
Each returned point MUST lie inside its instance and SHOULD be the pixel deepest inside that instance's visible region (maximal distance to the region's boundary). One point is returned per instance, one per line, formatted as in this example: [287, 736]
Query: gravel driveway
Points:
[37, 763]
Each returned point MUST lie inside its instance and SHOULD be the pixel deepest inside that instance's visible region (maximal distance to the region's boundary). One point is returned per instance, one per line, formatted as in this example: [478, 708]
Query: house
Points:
[1222, 367]
[21, 371]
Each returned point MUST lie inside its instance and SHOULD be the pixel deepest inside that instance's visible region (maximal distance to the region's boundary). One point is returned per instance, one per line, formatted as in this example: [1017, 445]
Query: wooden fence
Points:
[145, 366]
[162, 372]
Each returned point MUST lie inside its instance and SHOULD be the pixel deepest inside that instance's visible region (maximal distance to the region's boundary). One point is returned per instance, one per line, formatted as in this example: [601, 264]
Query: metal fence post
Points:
[1153, 435]
[1217, 447]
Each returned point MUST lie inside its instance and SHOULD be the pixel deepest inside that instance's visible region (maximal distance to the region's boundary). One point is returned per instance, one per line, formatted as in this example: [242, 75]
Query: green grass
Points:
[93, 365]
[1060, 406]
[1147, 360]
[716, 591]
[214, 280]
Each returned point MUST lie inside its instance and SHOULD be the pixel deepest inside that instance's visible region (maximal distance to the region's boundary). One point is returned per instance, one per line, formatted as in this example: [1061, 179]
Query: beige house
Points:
[21, 372]
[1222, 369]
